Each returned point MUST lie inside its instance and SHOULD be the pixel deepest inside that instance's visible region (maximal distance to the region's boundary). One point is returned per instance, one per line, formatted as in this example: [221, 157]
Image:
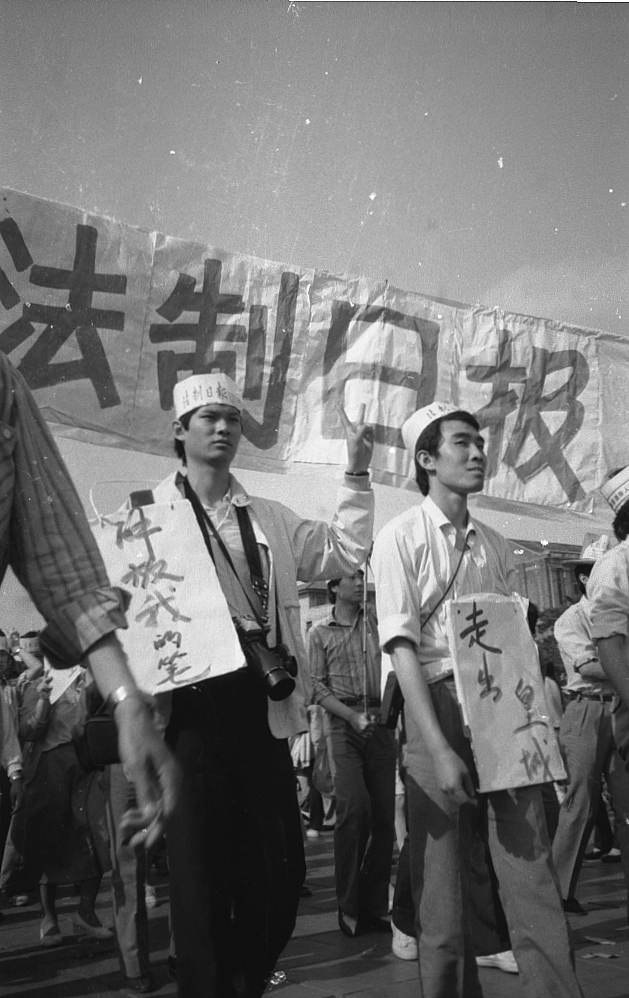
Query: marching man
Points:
[433, 551]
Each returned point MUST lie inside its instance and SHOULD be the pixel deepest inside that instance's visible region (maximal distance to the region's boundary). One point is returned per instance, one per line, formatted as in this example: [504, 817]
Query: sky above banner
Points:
[103, 319]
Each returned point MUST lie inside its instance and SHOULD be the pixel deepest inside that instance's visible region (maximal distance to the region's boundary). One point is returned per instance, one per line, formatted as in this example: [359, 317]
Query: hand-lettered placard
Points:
[180, 629]
[501, 691]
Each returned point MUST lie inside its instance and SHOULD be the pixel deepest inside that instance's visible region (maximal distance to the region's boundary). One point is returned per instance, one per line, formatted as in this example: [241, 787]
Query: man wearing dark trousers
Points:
[235, 844]
[345, 665]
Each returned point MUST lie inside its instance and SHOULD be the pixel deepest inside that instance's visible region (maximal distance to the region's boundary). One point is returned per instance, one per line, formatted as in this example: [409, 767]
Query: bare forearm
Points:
[334, 706]
[451, 773]
[108, 664]
[416, 693]
[613, 654]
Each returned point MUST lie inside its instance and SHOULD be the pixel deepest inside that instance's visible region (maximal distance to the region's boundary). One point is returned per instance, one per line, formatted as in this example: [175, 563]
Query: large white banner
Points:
[103, 319]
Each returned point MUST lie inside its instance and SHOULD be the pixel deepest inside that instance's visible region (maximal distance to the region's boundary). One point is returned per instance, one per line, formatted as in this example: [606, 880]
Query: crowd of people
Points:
[483, 879]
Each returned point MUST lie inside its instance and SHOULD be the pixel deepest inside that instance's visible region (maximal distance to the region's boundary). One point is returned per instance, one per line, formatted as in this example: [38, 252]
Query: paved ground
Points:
[319, 962]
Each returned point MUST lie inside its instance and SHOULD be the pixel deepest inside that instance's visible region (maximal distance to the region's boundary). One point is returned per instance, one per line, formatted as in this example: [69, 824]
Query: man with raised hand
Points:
[431, 552]
[235, 845]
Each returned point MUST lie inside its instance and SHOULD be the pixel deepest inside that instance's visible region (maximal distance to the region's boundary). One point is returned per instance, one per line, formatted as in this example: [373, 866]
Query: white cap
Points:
[616, 490]
[420, 420]
[205, 389]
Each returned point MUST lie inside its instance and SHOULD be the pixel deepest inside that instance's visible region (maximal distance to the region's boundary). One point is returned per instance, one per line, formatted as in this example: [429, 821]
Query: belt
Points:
[359, 701]
[589, 695]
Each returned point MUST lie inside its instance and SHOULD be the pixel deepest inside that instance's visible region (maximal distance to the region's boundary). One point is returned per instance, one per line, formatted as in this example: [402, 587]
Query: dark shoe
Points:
[613, 856]
[172, 968]
[572, 907]
[305, 891]
[596, 854]
[141, 985]
[346, 928]
[375, 924]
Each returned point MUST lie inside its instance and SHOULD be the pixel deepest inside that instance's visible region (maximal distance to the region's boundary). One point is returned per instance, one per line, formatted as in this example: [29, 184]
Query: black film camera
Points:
[274, 667]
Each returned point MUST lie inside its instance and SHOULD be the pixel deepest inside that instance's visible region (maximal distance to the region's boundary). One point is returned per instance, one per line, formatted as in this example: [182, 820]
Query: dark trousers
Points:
[364, 787]
[235, 846]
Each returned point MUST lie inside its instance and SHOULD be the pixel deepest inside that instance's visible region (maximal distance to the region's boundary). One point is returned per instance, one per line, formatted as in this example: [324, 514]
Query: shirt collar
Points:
[333, 622]
[236, 495]
[440, 520]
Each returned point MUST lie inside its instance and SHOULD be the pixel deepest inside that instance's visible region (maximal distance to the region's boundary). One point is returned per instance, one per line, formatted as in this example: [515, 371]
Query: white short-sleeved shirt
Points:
[573, 633]
[608, 593]
[414, 558]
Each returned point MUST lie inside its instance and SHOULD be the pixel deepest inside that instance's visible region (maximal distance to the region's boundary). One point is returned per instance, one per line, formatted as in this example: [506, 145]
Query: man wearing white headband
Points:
[235, 843]
[430, 552]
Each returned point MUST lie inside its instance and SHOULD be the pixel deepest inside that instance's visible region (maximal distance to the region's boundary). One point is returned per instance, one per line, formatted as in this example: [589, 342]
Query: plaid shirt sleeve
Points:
[44, 533]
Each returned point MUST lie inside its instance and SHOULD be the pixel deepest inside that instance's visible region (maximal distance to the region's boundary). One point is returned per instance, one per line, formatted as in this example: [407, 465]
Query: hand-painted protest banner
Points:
[180, 630]
[102, 319]
[501, 691]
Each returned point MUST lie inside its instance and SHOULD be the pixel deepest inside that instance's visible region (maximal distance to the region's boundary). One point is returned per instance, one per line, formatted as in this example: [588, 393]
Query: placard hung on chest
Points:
[180, 629]
[501, 692]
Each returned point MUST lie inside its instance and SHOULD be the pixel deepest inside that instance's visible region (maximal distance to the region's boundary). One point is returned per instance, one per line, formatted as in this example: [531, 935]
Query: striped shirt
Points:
[337, 663]
[44, 533]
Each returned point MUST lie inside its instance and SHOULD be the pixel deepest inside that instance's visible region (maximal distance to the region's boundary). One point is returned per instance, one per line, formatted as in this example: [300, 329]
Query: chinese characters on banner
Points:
[103, 319]
[501, 692]
[180, 630]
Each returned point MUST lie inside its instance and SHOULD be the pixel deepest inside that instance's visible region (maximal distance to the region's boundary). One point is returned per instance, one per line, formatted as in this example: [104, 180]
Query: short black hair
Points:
[430, 441]
[180, 450]
[620, 525]
[583, 568]
[332, 584]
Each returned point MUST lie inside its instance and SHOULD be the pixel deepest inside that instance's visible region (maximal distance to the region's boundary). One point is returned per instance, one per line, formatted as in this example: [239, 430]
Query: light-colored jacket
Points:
[300, 550]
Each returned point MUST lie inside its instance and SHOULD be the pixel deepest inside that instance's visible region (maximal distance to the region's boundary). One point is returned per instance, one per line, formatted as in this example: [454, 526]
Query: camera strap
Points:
[448, 587]
[206, 526]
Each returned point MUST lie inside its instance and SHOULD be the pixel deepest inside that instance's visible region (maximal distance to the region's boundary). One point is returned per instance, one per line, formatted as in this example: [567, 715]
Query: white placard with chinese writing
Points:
[501, 691]
[180, 629]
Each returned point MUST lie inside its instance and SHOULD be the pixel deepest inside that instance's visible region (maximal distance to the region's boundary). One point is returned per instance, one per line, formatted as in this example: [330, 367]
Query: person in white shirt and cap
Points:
[608, 591]
[608, 594]
[235, 844]
[432, 551]
[586, 736]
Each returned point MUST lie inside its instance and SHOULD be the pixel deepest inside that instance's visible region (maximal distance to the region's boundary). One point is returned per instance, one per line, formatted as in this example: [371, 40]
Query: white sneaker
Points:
[501, 961]
[403, 946]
